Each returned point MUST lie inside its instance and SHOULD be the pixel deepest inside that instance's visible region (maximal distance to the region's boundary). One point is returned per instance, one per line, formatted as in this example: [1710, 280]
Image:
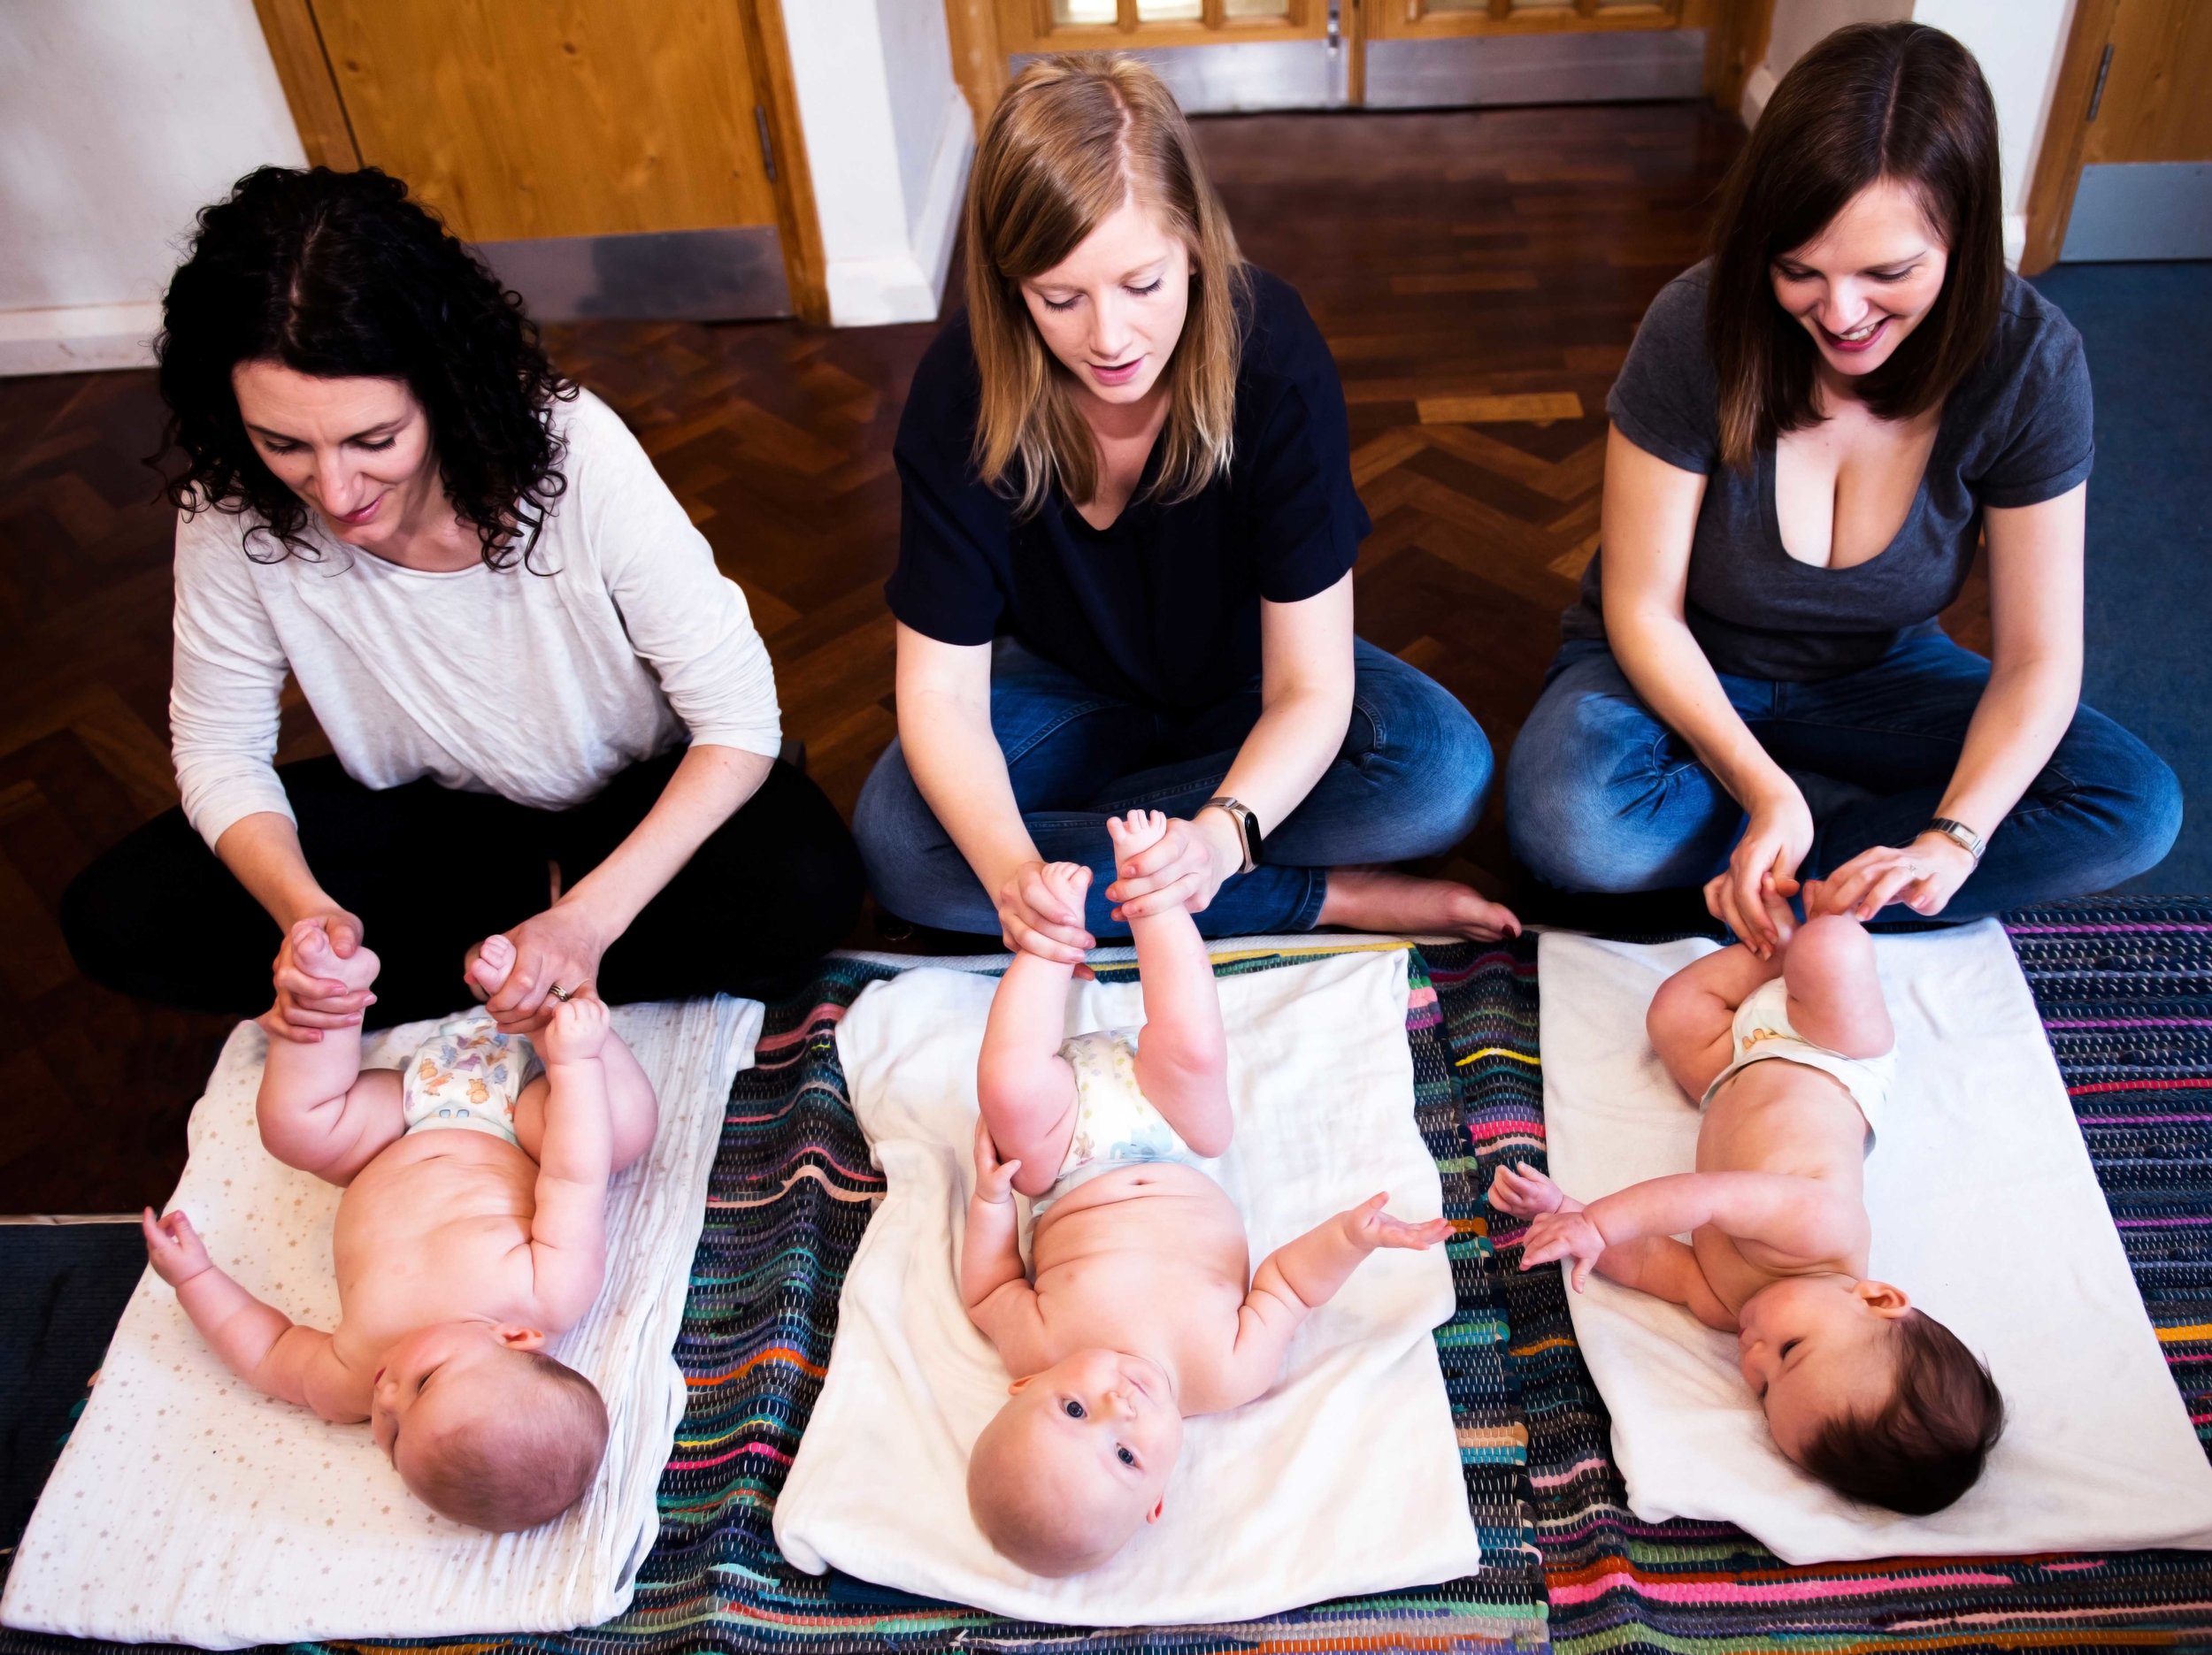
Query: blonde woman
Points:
[1125, 573]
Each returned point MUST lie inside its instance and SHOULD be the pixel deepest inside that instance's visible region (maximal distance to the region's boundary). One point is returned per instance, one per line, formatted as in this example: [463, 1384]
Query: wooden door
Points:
[2125, 170]
[1026, 27]
[553, 133]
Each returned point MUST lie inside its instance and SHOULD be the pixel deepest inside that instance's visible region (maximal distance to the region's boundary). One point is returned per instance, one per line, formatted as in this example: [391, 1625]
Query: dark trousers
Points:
[431, 871]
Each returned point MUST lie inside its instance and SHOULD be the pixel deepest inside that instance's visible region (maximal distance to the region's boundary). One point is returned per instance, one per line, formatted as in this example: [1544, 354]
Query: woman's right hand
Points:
[306, 1003]
[1774, 843]
[1035, 918]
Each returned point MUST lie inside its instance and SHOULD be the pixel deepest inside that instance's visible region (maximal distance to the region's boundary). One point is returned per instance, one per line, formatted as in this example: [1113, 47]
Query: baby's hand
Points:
[174, 1247]
[1368, 1227]
[1555, 1236]
[1133, 835]
[994, 1179]
[1525, 1192]
[578, 1032]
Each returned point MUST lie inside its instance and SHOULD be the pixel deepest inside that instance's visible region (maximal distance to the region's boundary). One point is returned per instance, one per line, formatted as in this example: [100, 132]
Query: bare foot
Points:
[1133, 835]
[1374, 899]
[312, 952]
[1068, 882]
[489, 964]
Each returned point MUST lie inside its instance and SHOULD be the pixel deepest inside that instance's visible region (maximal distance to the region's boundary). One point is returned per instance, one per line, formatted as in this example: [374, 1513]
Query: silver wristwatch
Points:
[1247, 826]
[1961, 835]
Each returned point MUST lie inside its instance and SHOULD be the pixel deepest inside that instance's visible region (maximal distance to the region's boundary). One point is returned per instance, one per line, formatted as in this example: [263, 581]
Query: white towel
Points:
[1986, 1211]
[189, 1508]
[1344, 1479]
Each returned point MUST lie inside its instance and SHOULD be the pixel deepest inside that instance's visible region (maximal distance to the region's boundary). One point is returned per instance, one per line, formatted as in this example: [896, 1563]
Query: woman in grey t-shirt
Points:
[1812, 432]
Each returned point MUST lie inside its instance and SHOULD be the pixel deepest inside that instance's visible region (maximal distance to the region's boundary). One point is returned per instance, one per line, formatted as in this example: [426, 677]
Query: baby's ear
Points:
[1158, 1505]
[517, 1337]
[1883, 1298]
[1019, 1385]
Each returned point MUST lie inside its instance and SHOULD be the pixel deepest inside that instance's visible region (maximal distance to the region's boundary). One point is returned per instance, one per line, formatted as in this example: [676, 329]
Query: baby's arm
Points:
[1657, 1265]
[568, 1230]
[1692, 1017]
[1800, 1220]
[1302, 1275]
[993, 1286]
[257, 1342]
[1835, 993]
[1027, 1089]
[318, 1110]
[1182, 1061]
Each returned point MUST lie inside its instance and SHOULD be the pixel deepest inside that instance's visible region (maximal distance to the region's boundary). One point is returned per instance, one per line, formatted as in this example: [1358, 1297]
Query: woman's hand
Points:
[1924, 876]
[1183, 870]
[1043, 915]
[561, 946]
[1774, 842]
[308, 1002]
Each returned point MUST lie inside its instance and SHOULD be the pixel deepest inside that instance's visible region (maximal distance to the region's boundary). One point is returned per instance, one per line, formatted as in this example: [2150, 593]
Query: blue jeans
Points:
[1408, 782]
[1602, 796]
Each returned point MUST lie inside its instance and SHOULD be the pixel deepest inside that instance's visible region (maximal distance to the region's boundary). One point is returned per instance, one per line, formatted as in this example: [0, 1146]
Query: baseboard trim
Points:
[78, 338]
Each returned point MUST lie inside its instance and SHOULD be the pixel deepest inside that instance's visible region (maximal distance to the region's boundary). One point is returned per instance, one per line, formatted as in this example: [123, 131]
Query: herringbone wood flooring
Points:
[1478, 274]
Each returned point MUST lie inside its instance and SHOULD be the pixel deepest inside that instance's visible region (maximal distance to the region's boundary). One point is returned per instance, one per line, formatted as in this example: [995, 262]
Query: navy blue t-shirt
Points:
[1161, 607]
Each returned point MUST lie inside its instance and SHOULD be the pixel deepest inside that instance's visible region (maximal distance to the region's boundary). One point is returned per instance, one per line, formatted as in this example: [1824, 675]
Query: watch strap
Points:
[1961, 835]
[1247, 826]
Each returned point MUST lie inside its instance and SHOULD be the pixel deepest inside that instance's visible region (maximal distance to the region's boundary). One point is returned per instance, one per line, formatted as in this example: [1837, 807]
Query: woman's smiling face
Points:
[1112, 310]
[1869, 278]
[357, 450]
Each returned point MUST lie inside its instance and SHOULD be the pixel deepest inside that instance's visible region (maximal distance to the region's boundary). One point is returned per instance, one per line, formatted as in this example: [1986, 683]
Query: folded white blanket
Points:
[189, 1508]
[1344, 1479]
[1985, 1210]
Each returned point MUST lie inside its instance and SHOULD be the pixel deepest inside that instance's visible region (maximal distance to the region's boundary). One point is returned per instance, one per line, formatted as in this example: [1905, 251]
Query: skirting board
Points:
[908, 284]
[78, 338]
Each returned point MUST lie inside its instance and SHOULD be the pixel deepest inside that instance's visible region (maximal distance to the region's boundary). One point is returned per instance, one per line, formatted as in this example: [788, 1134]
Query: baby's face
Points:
[1103, 1424]
[438, 1381]
[1813, 1348]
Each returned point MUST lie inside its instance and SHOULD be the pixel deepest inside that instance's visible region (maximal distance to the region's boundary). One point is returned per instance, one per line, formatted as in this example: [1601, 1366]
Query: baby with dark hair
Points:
[473, 1227]
[1790, 1057]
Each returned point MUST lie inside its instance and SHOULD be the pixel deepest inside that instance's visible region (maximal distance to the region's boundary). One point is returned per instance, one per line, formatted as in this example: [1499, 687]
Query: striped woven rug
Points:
[2125, 990]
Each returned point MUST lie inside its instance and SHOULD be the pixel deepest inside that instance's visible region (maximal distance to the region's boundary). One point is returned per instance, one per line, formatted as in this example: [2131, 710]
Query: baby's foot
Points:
[311, 952]
[1068, 882]
[1525, 1192]
[1133, 835]
[488, 966]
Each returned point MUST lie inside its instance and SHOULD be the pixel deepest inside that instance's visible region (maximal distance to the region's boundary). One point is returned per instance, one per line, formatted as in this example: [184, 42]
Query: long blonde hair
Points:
[1074, 137]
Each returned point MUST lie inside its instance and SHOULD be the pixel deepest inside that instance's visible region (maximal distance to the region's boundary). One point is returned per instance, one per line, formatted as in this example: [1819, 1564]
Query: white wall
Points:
[2019, 44]
[888, 138]
[118, 120]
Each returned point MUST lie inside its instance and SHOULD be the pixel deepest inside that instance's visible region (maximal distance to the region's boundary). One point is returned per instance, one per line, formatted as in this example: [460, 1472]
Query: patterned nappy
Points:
[1115, 1125]
[1763, 1033]
[467, 1076]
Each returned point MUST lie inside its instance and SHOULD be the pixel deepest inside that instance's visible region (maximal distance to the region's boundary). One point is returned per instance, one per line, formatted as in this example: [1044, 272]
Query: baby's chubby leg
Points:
[1183, 1058]
[633, 1112]
[1835, 991]
[1025, 1088]
[317, 1111]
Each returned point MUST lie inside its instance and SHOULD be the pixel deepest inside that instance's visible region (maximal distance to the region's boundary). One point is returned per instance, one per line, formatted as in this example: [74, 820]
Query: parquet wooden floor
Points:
[1478, 276]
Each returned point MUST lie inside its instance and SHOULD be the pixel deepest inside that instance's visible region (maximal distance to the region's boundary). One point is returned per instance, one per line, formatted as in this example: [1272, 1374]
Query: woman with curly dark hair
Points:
[552, 718]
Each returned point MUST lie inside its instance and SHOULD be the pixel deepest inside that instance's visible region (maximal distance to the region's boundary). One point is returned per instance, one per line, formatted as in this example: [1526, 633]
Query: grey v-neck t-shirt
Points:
[2017, 431]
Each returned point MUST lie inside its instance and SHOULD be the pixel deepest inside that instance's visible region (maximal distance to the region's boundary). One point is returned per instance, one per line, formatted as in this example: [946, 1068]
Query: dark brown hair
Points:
[1924, 1447]
[1898, 101]
[524, 1466]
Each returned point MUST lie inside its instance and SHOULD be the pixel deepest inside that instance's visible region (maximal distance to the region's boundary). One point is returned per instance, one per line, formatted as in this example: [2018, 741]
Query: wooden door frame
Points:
[318, 110]
[2058, 163]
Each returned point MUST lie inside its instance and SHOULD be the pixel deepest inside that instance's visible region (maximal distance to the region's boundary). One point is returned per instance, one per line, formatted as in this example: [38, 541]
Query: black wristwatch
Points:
[1247, 826]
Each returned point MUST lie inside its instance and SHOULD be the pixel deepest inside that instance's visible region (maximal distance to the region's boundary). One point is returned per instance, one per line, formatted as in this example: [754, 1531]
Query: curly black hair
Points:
[341, 275]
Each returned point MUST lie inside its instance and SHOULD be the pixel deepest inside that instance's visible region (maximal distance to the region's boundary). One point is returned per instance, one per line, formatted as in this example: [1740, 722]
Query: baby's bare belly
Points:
[1783, 1117]
[430, 1228]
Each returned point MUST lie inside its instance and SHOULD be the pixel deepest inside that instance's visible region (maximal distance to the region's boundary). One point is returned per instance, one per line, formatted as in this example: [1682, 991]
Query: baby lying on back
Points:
[1790, 1059]
[1143, 1307]
[472, 1228]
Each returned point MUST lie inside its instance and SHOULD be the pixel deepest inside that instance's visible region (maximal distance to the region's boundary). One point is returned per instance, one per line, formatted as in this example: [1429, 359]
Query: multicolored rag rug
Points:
[2125, 991]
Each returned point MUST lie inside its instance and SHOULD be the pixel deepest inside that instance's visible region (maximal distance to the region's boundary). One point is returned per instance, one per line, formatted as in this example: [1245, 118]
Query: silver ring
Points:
[562, 994]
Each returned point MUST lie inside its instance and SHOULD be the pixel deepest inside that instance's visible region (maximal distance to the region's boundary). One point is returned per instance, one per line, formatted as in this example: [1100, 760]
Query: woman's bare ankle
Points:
[1382, 900]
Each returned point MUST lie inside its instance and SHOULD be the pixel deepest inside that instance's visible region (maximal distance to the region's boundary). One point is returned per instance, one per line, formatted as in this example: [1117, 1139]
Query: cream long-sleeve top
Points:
[539, 687]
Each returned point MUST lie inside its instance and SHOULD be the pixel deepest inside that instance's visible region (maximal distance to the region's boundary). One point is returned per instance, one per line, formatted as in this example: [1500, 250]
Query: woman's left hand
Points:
[1924, 876]
[562, 946]
[1183, 870]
